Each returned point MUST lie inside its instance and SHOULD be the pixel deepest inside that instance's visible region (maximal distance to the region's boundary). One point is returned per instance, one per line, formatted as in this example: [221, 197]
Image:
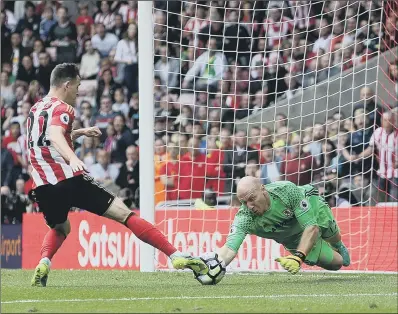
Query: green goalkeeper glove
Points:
[292, 263]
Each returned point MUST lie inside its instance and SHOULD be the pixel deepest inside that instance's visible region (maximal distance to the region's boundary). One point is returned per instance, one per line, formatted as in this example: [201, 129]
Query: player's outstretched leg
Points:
[91, 196]
[148, 233]
[338, 244]
[51, 243]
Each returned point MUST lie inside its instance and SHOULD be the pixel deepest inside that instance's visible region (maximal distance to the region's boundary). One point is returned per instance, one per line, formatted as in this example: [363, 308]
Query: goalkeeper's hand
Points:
[292, 263]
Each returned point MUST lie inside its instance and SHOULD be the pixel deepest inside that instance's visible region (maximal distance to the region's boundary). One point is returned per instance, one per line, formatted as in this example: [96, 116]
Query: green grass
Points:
[178, 292]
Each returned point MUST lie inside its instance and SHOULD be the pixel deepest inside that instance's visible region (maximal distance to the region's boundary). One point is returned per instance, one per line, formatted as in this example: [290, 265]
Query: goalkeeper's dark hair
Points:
[62, 73]
[266, 146]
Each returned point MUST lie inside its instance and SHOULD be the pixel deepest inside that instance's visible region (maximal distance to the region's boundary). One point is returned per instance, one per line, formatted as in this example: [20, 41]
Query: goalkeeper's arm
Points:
[235, 239]
[306, 217]
[292, 263]
[227, 254]
[308, 238]
[307, 242]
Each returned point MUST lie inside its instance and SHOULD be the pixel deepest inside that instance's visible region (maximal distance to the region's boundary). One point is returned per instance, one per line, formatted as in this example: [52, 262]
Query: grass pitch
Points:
[178, 292]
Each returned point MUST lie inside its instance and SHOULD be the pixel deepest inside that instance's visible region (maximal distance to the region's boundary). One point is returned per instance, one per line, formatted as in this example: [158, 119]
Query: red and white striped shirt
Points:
[194, 25]
[108, 19]
[130, 15]
[275, 31]
[301, 13]
[387, 152]
[49, 167]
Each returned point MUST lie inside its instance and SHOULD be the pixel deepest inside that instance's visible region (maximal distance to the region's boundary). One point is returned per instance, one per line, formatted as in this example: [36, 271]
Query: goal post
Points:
[146, 127]
[279, 90]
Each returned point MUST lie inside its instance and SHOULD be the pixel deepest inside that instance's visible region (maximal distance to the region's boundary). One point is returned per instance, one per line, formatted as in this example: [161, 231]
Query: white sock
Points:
[45, 260]
[176, 254]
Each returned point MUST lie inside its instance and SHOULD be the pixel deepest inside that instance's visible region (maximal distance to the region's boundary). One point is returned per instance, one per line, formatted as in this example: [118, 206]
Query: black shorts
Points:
[55, 201]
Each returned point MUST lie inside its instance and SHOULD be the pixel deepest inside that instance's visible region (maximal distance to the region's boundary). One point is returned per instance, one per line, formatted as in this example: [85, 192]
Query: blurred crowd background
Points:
[216, 62]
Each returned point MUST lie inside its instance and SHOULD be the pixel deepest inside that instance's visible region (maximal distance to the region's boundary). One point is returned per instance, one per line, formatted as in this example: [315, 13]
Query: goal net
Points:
[304, 91]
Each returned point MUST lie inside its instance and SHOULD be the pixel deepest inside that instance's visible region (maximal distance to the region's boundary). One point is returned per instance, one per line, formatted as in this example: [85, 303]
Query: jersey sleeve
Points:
[63, 116]
[241, 227]
[304, 212]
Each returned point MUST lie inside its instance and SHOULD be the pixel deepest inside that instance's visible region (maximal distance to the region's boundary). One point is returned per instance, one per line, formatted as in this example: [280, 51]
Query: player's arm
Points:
[76, 134]
[239, 229]
[227, 254]
[347, 156]
[308, 239]
[57, 138]
[367, 152]
[306, 217]
[89, 132]
[61, 122]
[370, 149]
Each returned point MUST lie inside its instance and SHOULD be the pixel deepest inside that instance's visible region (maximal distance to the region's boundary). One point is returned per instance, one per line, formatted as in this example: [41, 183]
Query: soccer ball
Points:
[216, 267]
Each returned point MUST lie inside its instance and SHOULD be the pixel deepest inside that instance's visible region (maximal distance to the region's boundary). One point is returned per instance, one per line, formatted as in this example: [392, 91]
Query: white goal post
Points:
[146, 127]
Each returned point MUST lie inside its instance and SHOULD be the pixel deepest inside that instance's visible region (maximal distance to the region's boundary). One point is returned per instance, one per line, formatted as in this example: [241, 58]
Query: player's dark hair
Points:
[62, 73]
[65, 8]
[266, 146]
[29, 4]
[16, 33]
[121, 116]
[237, 131]
[15, 123]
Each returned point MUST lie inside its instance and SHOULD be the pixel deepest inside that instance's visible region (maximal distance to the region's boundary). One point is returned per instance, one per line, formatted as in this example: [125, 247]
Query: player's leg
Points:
[330, 231]
[92, 197]
[54, 238]
[330, 259]
[55, 210]
[327, 257]
[337, 244]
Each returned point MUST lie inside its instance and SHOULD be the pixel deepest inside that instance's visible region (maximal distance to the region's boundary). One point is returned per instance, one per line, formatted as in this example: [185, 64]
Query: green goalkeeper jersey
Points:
[289, 213]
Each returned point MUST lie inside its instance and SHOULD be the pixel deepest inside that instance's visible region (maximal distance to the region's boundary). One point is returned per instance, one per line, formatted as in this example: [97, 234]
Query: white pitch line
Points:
[325, 275]
[277, 296]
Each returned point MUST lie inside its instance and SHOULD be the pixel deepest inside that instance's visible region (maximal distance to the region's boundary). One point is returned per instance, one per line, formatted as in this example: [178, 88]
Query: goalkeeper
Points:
[295, 216]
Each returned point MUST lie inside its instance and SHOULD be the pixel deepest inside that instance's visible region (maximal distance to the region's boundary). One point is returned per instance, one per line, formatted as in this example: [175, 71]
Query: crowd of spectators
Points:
[215, 62]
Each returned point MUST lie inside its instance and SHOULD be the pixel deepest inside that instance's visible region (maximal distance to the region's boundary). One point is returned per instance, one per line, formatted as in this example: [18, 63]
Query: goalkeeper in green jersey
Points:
[295, 216]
